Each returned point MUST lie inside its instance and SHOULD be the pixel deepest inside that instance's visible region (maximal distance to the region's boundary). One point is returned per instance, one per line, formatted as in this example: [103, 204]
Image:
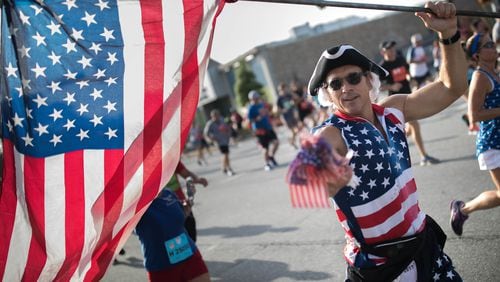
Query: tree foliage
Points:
[245, 82]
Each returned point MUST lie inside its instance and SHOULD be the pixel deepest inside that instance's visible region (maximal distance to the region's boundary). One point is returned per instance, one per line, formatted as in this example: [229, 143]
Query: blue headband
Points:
[474, 47]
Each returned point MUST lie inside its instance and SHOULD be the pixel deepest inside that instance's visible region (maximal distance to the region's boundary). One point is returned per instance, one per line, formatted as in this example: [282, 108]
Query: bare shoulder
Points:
[334, 137]
[394, 101]
[328, 132]
[480, 81]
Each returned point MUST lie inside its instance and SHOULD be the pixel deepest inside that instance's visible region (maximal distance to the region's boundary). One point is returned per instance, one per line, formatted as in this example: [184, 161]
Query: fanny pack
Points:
[399, 254]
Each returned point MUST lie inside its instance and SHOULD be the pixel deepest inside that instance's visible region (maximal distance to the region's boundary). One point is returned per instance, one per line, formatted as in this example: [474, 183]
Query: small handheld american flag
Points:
[315, 165]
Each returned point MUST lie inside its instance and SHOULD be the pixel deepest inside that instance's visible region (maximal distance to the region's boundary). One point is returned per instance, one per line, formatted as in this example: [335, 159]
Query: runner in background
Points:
[169, 252]
[287, 110]
[397, 82]
[484, 107]
[174, 185]
[258, 115]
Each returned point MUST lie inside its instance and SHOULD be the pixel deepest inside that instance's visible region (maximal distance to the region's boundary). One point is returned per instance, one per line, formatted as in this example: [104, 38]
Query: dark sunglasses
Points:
[353, 79]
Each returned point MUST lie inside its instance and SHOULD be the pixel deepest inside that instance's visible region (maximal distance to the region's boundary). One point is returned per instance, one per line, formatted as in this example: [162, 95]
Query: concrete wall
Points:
[296, 60]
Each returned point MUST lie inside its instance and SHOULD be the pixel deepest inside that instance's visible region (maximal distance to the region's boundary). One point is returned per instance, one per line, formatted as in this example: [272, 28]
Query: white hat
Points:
[416, 37]
[253, 95]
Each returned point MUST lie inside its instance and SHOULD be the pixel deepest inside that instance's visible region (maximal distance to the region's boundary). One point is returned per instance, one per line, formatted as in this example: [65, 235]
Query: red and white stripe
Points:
[312, 195]
[392, 215]
[395, 214]
[64, 217]
[396, 117]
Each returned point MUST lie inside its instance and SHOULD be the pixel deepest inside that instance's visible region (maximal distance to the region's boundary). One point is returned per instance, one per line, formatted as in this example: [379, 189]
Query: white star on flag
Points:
[95, 111]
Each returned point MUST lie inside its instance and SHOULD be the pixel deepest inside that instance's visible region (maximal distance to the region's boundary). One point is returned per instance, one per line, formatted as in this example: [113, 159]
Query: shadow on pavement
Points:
[243, 230]
[257, 169]
[462, 158]
[260, 270]
[130, 261]
[442, 161]
[433, 140]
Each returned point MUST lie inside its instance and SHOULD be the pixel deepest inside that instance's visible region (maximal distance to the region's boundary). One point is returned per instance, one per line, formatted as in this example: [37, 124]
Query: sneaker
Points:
[473, 130]
[230, 173]
[292, 142]
[428, 160]
[457, 217]
[267, 167]
[273, 161]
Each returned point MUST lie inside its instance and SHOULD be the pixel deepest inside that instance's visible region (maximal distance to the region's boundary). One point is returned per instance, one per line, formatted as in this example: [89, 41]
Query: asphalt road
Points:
[248, 230]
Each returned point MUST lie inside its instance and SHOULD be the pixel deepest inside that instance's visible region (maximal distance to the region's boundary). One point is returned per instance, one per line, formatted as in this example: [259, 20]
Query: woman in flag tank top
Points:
[389, 238]
[484, 107]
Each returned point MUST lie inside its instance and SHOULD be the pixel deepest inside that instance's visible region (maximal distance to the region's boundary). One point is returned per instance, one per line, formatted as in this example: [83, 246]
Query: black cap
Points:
[340, 56]
[387, 44]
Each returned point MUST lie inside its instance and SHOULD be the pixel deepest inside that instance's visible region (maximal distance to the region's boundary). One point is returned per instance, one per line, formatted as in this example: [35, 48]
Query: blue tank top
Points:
[164, 241]
[489, 130]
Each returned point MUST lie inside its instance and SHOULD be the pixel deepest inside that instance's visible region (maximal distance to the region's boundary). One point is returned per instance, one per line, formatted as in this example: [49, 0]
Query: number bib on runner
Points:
[178, 248]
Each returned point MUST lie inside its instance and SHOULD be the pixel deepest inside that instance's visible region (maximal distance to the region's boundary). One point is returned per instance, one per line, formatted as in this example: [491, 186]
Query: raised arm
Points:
[452, 81]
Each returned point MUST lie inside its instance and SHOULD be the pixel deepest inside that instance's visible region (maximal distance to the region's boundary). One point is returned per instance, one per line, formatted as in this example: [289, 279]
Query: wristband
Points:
[451, 40]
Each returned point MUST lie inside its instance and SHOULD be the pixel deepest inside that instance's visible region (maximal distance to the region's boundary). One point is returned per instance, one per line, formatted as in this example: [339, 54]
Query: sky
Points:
[247, 24]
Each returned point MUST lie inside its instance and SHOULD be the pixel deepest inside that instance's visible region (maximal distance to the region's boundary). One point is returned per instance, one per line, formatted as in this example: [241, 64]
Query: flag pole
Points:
[324, 3]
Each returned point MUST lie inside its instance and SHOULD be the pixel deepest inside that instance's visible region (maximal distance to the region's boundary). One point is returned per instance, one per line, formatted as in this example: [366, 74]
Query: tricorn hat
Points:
[340, 56]
[387, 44]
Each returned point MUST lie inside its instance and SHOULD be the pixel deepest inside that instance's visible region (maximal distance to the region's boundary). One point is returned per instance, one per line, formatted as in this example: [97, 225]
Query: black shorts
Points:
[234, 133]
[224, 149]
[421, 79]
[267, 138]
[204, 143]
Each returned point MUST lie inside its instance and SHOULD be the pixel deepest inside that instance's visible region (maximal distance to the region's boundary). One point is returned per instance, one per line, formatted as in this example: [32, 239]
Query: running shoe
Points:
[267, 167]
[473, 130]
[428, 160]
[457, 217]
[273, 161]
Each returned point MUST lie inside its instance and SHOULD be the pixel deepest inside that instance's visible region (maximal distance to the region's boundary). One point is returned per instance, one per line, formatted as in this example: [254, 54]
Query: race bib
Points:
[178, 248]
[409, 274]
[399, 74]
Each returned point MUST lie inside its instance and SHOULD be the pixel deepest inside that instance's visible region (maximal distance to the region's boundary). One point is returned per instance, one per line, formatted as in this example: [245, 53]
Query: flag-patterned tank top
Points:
[383, 205]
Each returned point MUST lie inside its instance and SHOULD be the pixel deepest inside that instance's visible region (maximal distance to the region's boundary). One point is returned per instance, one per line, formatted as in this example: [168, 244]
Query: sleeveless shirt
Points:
[383, 205]
[489, 130]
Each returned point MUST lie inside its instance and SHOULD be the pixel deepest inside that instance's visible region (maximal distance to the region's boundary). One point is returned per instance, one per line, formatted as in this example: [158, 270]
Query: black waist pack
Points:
[399, 254]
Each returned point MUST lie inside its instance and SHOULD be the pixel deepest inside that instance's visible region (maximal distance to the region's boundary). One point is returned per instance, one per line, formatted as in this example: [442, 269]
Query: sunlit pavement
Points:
[249, 232]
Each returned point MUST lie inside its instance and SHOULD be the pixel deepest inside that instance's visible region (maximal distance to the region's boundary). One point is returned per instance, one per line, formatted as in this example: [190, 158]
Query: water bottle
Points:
[190, 190]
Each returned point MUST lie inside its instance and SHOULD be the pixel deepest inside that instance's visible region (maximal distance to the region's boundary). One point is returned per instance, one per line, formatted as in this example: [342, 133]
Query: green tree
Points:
[245, 82]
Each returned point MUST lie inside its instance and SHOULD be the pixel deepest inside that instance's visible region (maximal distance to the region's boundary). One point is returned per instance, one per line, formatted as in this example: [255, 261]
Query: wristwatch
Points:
[451, 40]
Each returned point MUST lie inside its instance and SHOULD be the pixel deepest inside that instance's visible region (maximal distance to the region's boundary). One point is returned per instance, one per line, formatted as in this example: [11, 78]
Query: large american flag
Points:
[97, 100]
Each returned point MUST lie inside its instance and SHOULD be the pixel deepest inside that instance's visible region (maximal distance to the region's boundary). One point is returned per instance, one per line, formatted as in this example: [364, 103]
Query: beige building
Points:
[295, 58]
